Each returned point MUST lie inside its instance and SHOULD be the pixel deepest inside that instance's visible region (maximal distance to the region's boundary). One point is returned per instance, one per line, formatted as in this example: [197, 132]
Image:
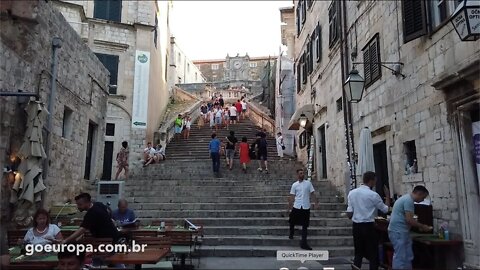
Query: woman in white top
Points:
[211, 114]
[280, 145]
[187, 124]
[42, 232]
[218, 118]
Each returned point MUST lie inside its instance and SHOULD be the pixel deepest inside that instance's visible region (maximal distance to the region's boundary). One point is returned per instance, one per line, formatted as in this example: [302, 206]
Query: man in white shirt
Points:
[299, 206]
[363, 204]
[233, 114]
[244, 108]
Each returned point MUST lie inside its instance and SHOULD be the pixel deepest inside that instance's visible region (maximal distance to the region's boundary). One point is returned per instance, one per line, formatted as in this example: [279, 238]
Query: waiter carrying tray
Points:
[363, 204]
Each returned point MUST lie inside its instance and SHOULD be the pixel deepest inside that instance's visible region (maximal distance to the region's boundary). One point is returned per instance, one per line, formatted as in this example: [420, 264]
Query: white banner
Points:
[476, 147]
[140, 90]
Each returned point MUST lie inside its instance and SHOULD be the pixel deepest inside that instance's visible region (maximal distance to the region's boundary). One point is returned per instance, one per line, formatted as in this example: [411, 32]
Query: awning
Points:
[307, 109]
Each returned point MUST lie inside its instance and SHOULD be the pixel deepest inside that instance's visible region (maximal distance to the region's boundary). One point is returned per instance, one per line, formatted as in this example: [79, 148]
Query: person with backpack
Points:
[230, 149]
[178, 126]
[122, 160]
[261, 150]
[244, 154]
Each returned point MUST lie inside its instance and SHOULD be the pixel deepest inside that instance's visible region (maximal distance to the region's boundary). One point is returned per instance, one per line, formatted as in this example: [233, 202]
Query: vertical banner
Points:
[476, 147]
[140, 90]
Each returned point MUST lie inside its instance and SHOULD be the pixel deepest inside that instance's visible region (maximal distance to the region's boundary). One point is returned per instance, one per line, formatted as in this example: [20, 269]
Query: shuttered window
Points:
[108, 10]
[318, 43]
[371, 60]
[414, 19]
[299, 77]
[299, 24]
[333, 23]
[304, 11]
[111, 63]
[303, 61]
[310, 57]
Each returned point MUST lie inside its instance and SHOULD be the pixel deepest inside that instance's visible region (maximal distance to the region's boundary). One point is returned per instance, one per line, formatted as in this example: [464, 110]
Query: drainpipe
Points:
[347, 112]
[56, 44]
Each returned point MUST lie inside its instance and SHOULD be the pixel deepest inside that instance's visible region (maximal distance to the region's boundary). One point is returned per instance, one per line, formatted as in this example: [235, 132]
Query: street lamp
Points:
[466, 20]
[303, 120]
[354, 86]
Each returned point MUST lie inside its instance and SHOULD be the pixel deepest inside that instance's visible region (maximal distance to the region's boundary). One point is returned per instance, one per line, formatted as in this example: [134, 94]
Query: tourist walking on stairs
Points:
[280, 145]
[299, 206]
[122, 160]
[230, 149]
[186, 127]
[261, 150]
[214, 150]
[244, 154]
[363, 204]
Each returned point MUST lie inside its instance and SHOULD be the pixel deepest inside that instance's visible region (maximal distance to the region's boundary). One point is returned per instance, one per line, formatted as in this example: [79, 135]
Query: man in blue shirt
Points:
[401, 221]
[214, 149]
[123, 214]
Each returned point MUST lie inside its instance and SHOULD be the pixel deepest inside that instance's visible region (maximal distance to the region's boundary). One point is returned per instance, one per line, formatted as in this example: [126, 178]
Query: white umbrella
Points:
[365, 152]
[26, 190]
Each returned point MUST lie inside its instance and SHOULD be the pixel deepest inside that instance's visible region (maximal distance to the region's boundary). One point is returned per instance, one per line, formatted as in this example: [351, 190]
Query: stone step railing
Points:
[167, 130]
[260, 118]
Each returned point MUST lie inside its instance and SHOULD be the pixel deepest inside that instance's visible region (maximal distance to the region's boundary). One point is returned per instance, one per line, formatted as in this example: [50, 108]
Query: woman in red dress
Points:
[244, 154]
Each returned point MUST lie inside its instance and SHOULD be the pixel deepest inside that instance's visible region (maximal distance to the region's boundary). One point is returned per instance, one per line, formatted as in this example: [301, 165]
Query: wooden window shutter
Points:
[366, 66]
[318, 46]
[298, 18]
[414, 19]
[375, 69]
[304, 11]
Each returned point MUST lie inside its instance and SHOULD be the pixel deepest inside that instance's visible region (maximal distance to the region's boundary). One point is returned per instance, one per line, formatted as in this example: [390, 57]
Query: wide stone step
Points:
[267, 251]
[246, 182]
[273, 240]
[160, 214]
[171, 198]
[274, 230]
[234, 188]
[227, 206]
[249, 221]
[219, 193]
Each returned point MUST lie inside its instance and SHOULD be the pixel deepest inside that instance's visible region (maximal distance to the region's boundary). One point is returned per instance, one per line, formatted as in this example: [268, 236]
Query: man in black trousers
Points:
[363, 204]
[299, 206]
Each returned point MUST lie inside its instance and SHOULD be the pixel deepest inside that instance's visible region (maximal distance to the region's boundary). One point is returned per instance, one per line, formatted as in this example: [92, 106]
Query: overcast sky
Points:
[211, 29]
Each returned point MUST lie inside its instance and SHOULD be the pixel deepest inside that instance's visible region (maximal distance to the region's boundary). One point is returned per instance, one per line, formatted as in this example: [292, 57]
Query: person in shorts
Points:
[233, 114]
[230, 149]
[122, 160]
[261, 149]
[178, 126]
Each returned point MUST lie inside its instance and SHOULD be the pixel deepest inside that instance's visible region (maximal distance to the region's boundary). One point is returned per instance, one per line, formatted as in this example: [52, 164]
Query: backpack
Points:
[251, 151]
[262, 143]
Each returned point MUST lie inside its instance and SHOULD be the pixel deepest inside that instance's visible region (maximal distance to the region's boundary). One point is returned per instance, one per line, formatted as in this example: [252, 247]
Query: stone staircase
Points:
[244, 215]
[197, 145]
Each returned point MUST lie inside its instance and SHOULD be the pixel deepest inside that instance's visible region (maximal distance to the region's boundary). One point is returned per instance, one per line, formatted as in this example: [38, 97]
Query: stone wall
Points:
[134, 32]
[413, 109]
[81, 86]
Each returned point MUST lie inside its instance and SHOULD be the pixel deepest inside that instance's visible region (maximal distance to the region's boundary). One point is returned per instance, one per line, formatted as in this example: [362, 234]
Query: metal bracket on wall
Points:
[397, 66]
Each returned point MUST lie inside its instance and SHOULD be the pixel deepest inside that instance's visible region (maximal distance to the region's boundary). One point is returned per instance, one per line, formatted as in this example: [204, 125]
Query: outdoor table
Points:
[183, 251]
[49, 260]
[432, 252]
[149, 256]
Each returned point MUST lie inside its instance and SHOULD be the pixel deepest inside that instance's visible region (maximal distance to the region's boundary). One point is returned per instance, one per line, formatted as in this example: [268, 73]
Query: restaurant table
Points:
[140, 228]
[183, 251]
[430, 252]
[148, 256]
[436, 253]
[48, 260]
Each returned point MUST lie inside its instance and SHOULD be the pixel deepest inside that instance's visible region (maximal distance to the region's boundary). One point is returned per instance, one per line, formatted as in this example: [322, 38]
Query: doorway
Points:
[89, 153]
[322, 153]
[107, 161]
[381, 166]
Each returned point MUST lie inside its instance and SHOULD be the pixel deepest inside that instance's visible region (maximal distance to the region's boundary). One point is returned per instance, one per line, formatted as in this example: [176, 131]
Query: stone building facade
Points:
[79, 110]
[423, 112]
[132, 39]
[182, 70]
[234, 68]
